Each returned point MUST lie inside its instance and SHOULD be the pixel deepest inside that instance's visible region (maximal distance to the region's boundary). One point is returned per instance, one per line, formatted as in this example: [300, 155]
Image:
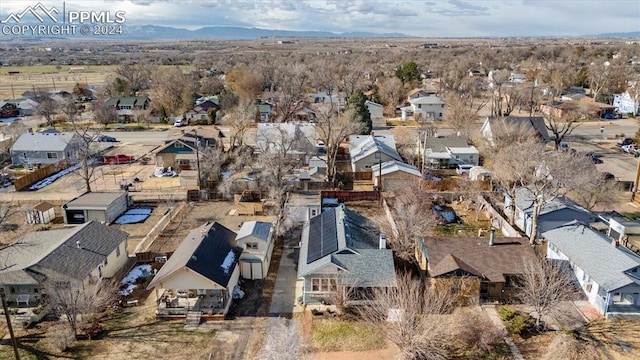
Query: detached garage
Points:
[103, 207]
[255, 238]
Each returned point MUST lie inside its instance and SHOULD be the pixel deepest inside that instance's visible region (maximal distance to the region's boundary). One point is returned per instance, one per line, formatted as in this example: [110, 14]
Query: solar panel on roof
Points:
[323, 236]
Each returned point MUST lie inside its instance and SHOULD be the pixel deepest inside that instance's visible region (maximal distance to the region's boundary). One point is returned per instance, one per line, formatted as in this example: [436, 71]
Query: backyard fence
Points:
[345, 196]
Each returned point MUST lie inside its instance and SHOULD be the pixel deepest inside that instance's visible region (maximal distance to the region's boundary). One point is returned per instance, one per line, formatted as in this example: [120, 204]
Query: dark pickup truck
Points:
[118, 159]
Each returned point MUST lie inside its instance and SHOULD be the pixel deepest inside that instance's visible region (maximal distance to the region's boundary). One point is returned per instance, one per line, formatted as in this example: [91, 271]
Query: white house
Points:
[517, 78]
[424, 108]
[376, 112]
[626, 104]
[394, 175]
[443, 152]
[369, 150]
[608, 274]
[255, 239]
[301, 206]
[45, 148]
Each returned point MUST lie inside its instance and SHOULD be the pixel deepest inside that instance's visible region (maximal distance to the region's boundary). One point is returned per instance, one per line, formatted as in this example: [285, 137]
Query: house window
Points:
[585, 277]
[118, 251]
[617, 297]
[100, 270]
[52, 155]
[440, 115]
[367, 166]
[24, 156]
[35, 290]
[12, 290]
[314, 212]
[106, 261]
[178, 145]
[184, 162]
[251, 246]
[323, 285]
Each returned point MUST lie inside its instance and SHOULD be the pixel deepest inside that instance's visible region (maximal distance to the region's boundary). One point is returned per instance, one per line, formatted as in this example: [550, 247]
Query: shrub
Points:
[315, 312]
[515, 321]
[61, 338]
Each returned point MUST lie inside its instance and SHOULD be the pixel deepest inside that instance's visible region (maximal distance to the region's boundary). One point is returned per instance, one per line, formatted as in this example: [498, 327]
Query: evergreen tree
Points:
[357, 103]
[408, 72]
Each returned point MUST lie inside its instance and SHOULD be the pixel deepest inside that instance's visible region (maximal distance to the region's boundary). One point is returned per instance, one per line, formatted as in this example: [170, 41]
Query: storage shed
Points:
[255, 239]
[43, 213]
[104, 207]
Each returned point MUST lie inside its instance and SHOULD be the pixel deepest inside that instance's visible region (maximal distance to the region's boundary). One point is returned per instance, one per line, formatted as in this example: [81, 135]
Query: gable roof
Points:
[392, 166]
[187, 148]
[349, 241]
[362, 146]
[84, 250]
[475, 256]
[300, 137]
[516, 124]
[128, 101]
[209, 250]
[524, 202]
[258, 229]
[441, 143]
[593, 252]
[37, 141]
[426, 100]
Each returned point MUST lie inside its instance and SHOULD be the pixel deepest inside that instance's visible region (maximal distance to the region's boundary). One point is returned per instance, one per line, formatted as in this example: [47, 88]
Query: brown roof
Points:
[43, 206]
[475, 256]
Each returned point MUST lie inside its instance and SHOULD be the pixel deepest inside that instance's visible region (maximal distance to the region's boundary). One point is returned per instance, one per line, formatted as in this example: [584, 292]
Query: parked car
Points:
[179, 123]
[631, 148]
[627, 141]
[564, 146]
[105, 138]
[118, 159]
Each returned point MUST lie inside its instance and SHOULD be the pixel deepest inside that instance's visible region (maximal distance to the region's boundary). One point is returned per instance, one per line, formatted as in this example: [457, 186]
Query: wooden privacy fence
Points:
[345, 196]
[361, 175]
[36, 175]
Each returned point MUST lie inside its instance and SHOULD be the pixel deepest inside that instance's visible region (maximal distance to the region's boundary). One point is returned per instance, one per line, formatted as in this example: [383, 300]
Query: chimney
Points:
[492, 236]
[78, 244]
[382, 243]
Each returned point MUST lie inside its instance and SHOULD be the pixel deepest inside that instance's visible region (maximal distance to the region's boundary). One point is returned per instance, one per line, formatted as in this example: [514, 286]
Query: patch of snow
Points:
[50, 179]
[134, 216]
[448, 216]
[228, 261]
[227, 174]
[128, 283]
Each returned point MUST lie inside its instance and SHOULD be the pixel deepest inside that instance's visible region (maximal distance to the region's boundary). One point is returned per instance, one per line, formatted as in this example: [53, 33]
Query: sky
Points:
[431, 18]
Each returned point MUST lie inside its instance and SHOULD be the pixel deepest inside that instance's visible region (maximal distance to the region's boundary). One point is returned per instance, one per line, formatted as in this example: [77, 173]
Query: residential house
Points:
[418, 93]
[297, 139]
[126, 105]
[341, 249]
[490, 266]
[201, 275]
[301, 206]
[619, 227]
[339, 99]
[562, 109]
[263, 111]
[607, 273]
[32, 149]
[394, 175]
[444, 152]
[517, 78]
[304, 112]
[8, 110]
[82, 255]
[256, 240]
[424, 108]
[476, 73]
[103, 207]
[369, 150]
[197, 114]
[496, 129]
[626, 104]
[26, 107]
[177, 154]
[552, 214]
[376, 112]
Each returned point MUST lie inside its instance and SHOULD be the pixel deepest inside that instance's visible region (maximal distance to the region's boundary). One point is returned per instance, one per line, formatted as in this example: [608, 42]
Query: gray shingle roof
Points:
[524, 202]
[83, 251]
[204, 251]
[363, 146]
[393, 166]
[356, 250]
[44, 141]
[94, 200]
[594, 253]
[522, 124]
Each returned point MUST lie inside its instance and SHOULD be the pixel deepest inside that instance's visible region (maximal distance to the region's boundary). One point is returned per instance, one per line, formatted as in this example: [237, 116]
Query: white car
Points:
[463, 169]
[179, 123]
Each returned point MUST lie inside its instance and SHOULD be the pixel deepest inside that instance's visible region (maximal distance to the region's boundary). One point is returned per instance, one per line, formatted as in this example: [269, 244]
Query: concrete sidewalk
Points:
[490, 310]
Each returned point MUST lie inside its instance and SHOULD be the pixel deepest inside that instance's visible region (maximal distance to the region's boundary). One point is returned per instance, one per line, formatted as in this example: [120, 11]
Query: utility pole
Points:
[14, 341]
[197, 142]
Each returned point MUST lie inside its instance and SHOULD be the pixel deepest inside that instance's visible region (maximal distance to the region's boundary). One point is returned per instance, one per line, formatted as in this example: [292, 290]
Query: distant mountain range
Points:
[237, 33]
[633, 34]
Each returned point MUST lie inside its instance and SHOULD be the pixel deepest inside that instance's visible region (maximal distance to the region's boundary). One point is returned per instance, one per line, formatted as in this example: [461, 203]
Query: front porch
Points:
[213, 304]
[623, 311]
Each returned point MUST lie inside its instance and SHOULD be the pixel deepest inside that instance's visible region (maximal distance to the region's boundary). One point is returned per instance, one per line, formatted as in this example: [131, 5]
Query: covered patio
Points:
[177, 303]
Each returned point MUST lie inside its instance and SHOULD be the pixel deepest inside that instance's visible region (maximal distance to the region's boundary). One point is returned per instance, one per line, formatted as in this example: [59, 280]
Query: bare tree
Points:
[239, 119]
[78, 303]
[391, 91]
[291, 81]
[48, 108]
[172, 90]
[283, 340]
[83, 145]
[245, 82]
[211, 161]
[211, 85]
[332, 128]
[600, 192]
[410, 316]
[411, 217]
[462, 115]
[104, 113]
[544, 284]
[129, 79]
[560, 128]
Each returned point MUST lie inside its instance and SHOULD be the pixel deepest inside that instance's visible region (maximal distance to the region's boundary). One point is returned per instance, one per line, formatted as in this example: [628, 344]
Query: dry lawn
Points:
[332, 334]
[616, 339]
